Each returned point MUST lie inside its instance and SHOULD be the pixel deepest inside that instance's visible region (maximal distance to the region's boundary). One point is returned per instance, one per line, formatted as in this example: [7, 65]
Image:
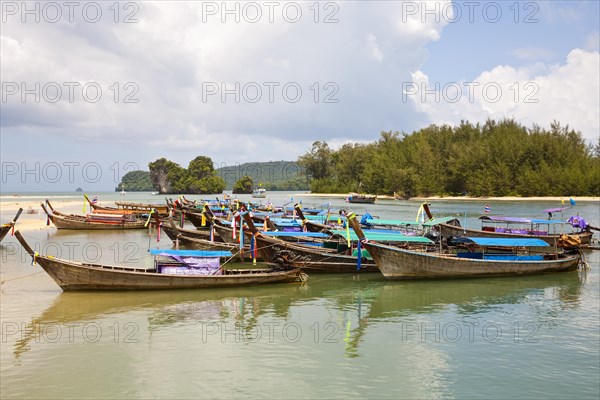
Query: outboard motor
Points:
[434, 236]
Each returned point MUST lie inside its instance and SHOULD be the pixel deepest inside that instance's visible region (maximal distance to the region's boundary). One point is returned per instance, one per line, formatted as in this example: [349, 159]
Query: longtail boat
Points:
[192, 243]
[311, 226]
[483, 257]
[92, 221]
[173, 269]
[404, 196]
[5, 228]
[334, 257]
[98, 209]
[126, 208]
[551, 231]
[197, 219]
[259, 193]
[173, 232]
[162, 209]
[361, 198]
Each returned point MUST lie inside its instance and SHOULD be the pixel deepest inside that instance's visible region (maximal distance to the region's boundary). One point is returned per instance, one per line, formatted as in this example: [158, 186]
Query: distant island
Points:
[79, 189]
[200, 177]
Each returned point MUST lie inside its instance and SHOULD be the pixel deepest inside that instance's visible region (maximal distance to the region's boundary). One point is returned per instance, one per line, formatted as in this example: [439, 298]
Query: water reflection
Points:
[350, 304]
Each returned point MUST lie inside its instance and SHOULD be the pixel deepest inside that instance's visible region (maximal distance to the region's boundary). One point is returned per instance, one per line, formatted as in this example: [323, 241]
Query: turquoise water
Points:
[337, 336]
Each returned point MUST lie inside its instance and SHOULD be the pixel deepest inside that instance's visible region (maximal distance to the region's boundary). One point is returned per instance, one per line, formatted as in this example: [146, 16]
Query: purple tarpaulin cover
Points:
[193, 266]
[578, 222]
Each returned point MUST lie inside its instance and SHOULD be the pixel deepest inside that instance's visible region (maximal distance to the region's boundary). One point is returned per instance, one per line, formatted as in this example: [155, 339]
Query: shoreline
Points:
[37, 221]
[463, 198]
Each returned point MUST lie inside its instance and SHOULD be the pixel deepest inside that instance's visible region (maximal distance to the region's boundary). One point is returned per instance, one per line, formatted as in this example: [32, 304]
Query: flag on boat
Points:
[487, 208]
[95, 199]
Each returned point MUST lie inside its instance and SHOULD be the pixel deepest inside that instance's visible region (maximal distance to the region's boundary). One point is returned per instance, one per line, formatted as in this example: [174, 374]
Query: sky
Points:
[92, 90]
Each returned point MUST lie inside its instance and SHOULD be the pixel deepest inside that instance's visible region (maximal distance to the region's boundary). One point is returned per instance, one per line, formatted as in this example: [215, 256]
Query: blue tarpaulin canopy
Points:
[386, 237]
[502, 242]
[286, 222]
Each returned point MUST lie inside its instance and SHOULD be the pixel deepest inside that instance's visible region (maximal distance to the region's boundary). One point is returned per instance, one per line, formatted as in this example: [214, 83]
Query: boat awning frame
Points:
[191, 253]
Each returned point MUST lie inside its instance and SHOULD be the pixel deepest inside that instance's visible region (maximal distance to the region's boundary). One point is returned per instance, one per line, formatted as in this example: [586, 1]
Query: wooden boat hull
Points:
[398, 264]
[4, 229]
[449, 230]
[130, 209]
[74, 221]
[309, 259]
[203, 244]
[112, 210]
[62, 222]
[173, 233]
[226, 234]
[162, 209]
[196, 219]
[72, 276]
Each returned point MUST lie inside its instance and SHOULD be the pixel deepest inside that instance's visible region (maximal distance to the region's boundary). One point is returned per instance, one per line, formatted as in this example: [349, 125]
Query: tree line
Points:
[492, 159]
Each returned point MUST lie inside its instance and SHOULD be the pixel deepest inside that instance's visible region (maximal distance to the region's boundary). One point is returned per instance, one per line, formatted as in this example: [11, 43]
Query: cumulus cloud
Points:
[538, 93]
[188, 75]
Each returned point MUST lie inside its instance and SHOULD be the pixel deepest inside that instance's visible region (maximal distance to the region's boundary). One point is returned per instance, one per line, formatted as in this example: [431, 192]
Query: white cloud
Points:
[373, 48]
[535, 94]
[176, 49]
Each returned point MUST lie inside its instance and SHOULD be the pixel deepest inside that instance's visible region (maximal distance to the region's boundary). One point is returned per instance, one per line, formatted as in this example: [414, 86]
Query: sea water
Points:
[336, 336]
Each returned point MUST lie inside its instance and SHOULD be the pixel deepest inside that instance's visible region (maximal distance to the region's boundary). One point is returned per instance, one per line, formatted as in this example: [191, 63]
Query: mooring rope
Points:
[19, 277]
[582, 261]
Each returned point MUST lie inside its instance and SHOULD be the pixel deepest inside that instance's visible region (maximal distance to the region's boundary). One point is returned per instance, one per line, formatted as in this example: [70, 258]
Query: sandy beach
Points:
[37, 220]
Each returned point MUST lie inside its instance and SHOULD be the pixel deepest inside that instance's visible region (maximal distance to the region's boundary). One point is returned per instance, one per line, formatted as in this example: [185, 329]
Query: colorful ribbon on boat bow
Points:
[149, 216]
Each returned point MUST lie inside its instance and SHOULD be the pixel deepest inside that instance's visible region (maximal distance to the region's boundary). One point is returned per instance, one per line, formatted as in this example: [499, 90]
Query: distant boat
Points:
[404, 196]
[154, 193]
[361, 198]
[259, 193]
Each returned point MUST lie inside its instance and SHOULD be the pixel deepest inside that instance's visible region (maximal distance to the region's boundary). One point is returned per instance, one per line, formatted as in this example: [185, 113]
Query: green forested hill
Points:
[135, 181]
[169, 177]
[273, 175]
